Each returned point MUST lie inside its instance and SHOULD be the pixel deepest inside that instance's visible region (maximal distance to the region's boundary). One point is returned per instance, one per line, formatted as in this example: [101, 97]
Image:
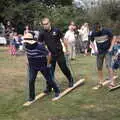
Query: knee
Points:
[109, 65]
[99, 67]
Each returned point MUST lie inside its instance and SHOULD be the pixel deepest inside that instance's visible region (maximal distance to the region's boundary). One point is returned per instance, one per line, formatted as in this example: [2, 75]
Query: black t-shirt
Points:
[52, 40]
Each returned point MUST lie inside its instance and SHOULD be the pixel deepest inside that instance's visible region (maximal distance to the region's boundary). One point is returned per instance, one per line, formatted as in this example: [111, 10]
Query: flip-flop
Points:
[111, 86]
[98, 86]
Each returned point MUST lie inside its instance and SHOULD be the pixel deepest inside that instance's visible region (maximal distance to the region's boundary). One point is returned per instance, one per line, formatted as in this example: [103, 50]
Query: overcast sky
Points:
[83, 3]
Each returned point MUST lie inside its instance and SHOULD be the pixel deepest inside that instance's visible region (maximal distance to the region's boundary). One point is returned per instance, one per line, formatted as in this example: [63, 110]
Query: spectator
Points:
[70, 40]
[84, 32]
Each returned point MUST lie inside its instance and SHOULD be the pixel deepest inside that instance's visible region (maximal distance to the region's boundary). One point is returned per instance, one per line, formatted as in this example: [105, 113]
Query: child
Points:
[116, 52]
[116, 63]
[37, 56]
[12, 47]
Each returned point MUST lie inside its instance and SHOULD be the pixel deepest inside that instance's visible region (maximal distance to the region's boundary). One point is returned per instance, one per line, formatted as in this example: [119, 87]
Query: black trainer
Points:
[57, 94]
[31, 99]
[48, 91]
[71, 83]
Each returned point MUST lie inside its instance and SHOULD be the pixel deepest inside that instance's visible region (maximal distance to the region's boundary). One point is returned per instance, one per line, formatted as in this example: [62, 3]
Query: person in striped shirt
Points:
[105, 42]
[38, 59]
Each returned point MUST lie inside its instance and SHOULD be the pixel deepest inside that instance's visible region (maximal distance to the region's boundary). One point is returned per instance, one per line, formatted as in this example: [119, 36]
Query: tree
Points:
[57, 2]
[4, 5]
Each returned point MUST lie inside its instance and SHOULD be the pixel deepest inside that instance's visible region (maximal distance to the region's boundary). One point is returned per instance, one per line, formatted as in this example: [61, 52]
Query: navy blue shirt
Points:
[37, 55]
[52, 40]
[103, 39]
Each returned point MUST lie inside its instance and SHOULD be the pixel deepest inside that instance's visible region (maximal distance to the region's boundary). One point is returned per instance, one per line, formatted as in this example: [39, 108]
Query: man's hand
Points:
[49, 60]
[112, 44]
[96, 53]
[26, 60]
[110, 51]
[67, 52]
[48, 65]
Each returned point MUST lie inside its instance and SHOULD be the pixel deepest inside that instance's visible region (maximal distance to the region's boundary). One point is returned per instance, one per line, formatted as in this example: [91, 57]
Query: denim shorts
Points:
[100, 60]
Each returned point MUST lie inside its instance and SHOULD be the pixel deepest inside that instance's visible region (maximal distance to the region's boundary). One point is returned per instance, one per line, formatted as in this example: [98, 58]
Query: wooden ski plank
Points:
[108, 81]
[115, 77]
[66, 91]
[41, 95]
[114, 88]
[103, 84]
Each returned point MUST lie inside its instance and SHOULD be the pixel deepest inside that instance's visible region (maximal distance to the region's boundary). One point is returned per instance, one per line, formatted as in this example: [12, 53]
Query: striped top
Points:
[37, 55]
[103, 39]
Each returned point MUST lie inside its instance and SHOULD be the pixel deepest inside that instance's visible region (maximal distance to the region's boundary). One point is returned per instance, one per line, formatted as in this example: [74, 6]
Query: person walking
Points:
[105, 42]
[38, 59]
[51, 37]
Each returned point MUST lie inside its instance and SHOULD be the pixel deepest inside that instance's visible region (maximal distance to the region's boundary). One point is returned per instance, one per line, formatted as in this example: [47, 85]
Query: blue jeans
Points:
[32, 74]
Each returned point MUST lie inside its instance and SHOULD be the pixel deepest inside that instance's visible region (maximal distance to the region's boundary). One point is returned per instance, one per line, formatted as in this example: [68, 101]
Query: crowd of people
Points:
[50, 46]
[77, 38]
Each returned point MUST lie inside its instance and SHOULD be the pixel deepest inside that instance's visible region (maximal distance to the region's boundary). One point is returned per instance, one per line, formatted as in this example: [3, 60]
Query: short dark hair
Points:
[97, 24]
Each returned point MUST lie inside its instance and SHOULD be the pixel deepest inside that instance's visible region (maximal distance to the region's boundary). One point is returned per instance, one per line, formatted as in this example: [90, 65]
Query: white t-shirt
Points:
[70, 36]
[84, 32]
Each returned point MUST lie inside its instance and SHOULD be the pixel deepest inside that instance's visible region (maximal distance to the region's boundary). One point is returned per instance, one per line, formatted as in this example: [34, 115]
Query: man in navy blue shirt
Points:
[51, 37]
[104, 40]
[38, 60]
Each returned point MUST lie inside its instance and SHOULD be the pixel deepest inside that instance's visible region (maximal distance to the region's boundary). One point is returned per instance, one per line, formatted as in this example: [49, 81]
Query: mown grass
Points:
[81, 104]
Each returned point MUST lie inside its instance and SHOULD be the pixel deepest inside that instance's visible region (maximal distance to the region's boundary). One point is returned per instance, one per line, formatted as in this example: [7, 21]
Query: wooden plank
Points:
[114, 88]
[115, 77]
[41, 95]
[103, 84]
[66, 91]
[106, 82]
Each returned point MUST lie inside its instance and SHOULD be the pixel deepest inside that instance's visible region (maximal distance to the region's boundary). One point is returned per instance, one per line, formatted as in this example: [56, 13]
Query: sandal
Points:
[111, 86]
[98, 86]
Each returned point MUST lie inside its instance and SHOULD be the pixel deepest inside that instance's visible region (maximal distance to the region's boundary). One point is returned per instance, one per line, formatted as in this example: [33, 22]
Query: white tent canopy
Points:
[3, 40]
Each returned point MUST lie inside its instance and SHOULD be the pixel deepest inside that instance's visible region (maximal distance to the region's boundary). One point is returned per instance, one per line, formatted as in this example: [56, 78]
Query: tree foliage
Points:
[61, 12]
[108, 13]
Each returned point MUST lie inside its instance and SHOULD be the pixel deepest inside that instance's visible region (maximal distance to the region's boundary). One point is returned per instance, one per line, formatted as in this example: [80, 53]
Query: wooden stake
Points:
[114, 88]
[66, 91]
[41, 95]
[106, 82]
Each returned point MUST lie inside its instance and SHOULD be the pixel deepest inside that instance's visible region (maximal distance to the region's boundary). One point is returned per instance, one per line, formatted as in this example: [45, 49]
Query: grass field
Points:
[81, 104]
